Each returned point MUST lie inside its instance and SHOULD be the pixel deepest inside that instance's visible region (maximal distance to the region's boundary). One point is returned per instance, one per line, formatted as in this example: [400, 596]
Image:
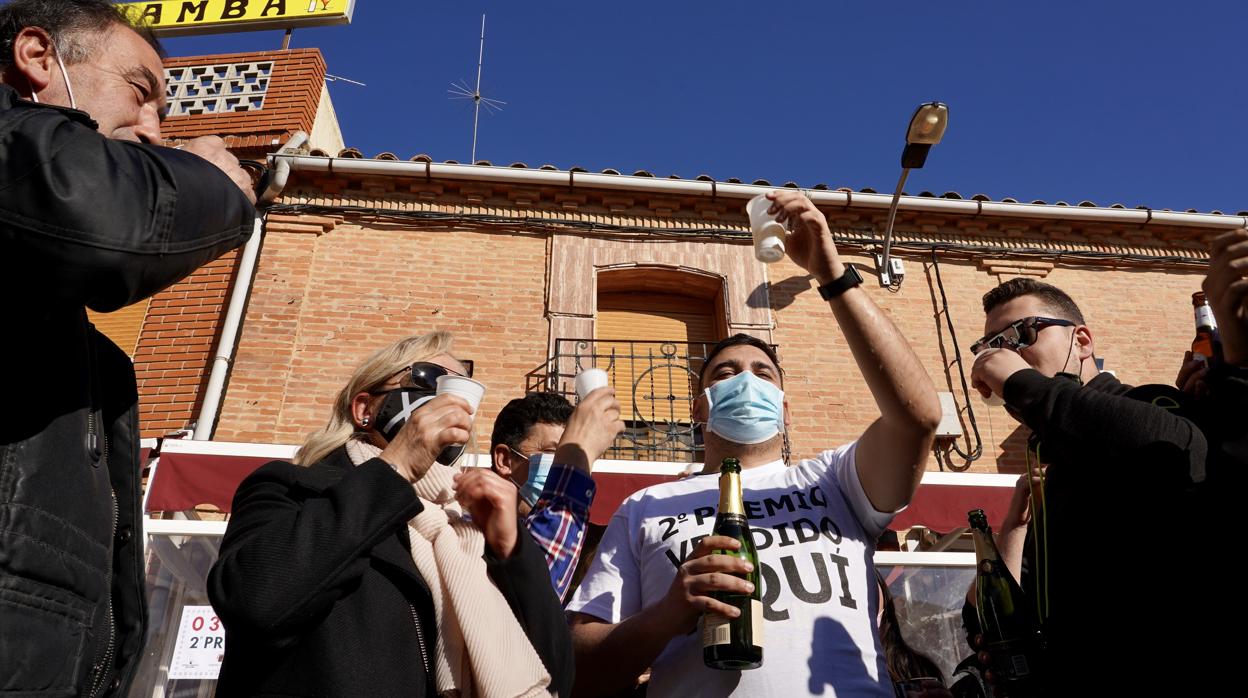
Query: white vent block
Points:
[217, 89]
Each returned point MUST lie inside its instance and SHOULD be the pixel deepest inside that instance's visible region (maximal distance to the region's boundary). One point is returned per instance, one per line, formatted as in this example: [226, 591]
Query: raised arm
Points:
[1227, 288]
[892, 453]
[86, 220]
[1106, 430]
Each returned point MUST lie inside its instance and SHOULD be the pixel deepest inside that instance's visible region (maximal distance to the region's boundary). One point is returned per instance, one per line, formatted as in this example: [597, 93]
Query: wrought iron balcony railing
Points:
[655, 382]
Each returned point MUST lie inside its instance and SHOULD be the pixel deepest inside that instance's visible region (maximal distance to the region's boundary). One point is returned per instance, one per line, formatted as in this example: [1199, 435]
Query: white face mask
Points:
[73, 104]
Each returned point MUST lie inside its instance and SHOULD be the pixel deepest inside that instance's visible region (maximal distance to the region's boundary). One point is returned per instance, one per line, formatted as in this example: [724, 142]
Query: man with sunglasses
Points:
[555, 495]
[1110, 454]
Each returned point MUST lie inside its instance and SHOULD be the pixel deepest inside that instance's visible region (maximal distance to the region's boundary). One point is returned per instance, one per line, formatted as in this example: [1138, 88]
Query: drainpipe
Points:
[229, 334]
[211, 406]
[687, 187]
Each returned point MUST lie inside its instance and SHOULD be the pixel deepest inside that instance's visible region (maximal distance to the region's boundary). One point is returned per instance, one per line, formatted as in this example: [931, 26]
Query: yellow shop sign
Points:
[187, 17]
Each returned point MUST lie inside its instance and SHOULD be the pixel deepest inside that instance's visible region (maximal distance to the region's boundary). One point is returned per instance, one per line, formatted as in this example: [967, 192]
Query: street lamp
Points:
[927, 127]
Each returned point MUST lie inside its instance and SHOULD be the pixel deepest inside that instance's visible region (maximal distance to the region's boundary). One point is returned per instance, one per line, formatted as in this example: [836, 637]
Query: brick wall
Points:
[176, 344]
[330, 290]
[1141, 323]
[180, 331]
[322, 302]
[290, 103]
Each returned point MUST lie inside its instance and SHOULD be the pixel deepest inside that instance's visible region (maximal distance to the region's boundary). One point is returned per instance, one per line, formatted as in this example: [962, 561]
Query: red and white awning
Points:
[191, 473]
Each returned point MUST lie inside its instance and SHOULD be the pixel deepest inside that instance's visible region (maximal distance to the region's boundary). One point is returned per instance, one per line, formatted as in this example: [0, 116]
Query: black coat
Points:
[1121, 508]
[319, 595]
[84, 222]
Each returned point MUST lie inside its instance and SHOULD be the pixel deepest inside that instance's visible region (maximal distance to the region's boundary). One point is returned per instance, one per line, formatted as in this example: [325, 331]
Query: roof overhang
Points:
[712, 189]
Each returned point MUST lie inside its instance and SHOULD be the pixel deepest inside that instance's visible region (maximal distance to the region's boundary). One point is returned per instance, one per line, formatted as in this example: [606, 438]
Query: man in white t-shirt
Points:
[814, 523]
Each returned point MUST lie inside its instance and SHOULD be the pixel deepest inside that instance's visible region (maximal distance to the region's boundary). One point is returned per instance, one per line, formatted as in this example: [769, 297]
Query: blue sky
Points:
[1140, 103]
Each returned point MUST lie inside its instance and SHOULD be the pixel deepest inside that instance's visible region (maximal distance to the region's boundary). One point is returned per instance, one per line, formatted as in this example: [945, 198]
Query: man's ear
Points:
[34, 59]
[788, 417]
[1084, 342]
[697, 409]
[500, 456]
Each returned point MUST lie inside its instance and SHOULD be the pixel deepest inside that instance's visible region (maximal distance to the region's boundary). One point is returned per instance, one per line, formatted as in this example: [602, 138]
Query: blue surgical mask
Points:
[539, 471]
[745, 409]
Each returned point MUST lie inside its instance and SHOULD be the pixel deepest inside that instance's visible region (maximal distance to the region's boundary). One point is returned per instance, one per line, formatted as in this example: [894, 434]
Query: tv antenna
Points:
[460, 90]
[339, 78]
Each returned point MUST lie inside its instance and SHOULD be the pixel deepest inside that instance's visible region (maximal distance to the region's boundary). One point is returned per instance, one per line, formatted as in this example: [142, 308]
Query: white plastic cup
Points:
[768, 232]
[589, 380]
[994, 400]
[471, 391]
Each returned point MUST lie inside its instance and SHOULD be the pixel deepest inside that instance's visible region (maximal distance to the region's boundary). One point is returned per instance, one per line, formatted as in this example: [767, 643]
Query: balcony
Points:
[655, 382]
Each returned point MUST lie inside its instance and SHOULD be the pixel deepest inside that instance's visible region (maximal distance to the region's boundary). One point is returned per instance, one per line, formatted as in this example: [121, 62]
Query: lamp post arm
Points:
[885, 279]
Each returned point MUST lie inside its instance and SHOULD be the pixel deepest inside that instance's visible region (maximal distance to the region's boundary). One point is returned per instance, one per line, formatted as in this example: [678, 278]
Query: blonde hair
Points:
[368, 376]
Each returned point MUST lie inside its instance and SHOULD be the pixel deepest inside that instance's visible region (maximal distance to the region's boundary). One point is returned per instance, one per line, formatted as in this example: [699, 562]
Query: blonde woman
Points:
[356, 572]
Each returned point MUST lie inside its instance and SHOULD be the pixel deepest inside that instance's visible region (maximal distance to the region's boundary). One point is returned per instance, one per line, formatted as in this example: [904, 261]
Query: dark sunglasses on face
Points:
[425, 375]
[1019, 334]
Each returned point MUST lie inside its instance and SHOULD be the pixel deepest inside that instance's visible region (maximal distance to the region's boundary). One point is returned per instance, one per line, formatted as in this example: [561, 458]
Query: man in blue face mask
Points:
[555, 493]
[814, 522]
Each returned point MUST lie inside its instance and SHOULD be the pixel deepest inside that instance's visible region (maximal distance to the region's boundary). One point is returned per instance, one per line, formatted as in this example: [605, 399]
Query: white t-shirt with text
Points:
[815, 531]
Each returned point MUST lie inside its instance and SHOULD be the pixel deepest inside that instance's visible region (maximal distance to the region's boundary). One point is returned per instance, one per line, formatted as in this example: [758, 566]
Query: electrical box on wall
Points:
[950, 426]
[895, 272]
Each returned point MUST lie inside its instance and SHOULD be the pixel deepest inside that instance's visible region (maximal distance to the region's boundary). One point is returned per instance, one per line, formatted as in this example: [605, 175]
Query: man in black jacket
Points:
[92, 214]
[1108, 557]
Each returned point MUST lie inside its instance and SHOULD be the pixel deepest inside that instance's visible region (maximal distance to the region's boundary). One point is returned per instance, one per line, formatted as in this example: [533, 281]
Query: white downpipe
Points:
[281, 167]
[687, 187]
[208, 412]
[229, 334]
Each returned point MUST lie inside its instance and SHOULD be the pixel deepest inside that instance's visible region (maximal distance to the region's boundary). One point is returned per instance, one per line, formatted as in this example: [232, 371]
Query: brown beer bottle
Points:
[1207, 346]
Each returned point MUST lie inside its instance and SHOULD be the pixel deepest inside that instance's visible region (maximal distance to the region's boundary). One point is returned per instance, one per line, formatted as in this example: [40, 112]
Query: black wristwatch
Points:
[843, 283]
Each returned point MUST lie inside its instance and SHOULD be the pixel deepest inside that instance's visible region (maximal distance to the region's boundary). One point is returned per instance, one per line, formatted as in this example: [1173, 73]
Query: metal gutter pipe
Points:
[687, 187]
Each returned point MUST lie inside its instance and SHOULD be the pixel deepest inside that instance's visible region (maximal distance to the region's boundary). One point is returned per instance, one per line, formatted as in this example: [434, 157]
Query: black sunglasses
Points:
[425, 375]
[1019, 334]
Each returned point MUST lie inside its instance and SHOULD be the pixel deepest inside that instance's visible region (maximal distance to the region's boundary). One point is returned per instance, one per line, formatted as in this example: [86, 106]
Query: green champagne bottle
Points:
[1007, 618]
[735, 643]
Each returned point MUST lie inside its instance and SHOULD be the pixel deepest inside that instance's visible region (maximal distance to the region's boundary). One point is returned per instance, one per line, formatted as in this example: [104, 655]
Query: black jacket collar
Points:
[324, 473]
[9, 99]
